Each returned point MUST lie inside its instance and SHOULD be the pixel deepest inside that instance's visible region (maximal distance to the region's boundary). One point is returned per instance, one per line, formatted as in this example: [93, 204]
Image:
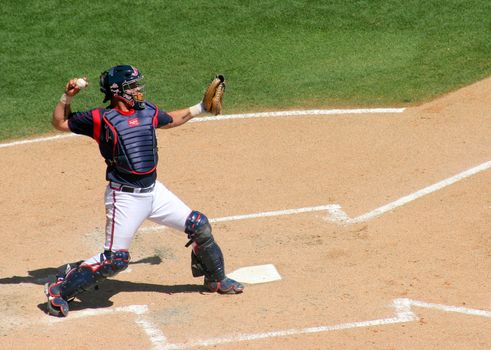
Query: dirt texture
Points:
[435, 248]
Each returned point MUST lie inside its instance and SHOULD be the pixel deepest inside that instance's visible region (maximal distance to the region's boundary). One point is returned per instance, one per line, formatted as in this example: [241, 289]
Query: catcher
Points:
[125, 133]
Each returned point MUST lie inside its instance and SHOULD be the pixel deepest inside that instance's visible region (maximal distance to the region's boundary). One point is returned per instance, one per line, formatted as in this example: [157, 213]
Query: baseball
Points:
[81, 83]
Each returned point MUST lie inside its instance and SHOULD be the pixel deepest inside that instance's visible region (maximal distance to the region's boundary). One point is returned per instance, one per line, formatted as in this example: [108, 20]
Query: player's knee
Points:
[198, 228]
[114, 262]
[120, 260]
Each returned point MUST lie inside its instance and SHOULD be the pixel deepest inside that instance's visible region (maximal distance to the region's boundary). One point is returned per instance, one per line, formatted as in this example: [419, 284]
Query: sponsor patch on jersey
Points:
[133, 122]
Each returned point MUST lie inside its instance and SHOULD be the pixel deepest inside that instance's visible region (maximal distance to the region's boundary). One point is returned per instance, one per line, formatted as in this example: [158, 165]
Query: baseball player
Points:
[125, 133]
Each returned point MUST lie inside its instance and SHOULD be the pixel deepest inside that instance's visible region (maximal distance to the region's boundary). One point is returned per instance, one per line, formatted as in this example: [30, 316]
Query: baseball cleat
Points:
[56, 305]
[225, 286]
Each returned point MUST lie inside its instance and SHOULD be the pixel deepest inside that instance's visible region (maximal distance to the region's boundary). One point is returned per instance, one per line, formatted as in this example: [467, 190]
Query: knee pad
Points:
[198, 228]
[113, 262]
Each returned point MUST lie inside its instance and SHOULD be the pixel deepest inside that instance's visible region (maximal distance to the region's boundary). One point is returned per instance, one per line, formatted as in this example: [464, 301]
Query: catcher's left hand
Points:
[213, 97]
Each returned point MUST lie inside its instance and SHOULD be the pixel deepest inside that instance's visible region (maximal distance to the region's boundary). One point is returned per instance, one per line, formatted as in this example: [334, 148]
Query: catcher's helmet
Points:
[123, 82]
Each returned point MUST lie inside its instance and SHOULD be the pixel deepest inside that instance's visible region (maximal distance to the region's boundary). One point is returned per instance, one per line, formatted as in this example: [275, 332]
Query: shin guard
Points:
[206, 256]
[81, 278]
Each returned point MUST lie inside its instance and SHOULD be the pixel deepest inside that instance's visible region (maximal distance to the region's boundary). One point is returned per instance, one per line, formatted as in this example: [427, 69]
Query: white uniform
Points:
[126, 212]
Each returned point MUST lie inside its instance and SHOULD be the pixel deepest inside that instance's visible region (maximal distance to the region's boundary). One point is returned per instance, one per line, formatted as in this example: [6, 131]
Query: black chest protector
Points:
[128, 143]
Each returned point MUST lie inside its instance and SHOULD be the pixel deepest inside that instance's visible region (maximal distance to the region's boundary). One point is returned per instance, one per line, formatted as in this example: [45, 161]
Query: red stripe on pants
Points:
[113, 221]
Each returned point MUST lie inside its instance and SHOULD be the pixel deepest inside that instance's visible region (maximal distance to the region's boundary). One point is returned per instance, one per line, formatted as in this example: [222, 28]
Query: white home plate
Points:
[255, 274]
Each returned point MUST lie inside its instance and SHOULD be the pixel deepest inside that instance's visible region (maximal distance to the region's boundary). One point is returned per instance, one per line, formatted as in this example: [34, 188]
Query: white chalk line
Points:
[402, 307]
[313, 112]
[328, 208]
[282, 333]
[415, 195]
[333, 209]
[447, 308]
[155, 335]
[336, 214]
[36, 140]
[136, 309]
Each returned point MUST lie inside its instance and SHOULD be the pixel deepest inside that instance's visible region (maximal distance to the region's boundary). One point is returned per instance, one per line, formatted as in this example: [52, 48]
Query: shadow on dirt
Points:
[41, 276]
[99, 297]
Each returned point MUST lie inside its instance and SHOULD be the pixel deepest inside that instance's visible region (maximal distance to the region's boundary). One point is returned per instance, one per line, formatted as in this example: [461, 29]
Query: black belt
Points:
[129, 189]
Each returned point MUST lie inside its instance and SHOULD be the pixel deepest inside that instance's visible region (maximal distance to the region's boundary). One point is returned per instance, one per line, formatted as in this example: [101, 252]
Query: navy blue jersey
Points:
[91, 123]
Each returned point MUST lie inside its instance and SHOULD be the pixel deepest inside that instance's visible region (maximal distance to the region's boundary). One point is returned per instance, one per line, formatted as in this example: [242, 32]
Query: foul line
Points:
[402, 307]
[313, 112]
[40, 139]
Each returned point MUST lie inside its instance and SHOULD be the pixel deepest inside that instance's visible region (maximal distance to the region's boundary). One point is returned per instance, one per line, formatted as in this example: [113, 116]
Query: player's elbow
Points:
[55, 125]
[60, 125]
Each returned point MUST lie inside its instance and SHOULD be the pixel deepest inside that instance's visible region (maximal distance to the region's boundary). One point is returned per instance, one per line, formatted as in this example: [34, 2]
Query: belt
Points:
[129, 189]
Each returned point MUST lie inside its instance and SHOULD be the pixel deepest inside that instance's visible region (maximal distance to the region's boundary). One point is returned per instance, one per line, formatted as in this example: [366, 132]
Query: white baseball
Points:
[81, 83]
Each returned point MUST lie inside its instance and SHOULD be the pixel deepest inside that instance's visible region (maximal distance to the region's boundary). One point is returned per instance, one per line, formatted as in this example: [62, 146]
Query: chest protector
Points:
[128, 143]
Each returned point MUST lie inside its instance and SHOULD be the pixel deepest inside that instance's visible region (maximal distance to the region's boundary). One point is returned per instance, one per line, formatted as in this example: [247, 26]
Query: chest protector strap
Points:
[128, 143]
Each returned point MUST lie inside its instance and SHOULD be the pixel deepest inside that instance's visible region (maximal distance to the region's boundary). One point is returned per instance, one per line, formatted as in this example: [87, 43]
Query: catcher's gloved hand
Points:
[213, 97]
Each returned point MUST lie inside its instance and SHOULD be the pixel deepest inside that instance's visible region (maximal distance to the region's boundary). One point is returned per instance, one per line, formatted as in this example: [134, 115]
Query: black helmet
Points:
[123, 82]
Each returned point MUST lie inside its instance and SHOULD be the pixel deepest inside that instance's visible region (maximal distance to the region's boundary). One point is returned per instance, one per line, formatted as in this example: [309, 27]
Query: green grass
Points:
[276, 54]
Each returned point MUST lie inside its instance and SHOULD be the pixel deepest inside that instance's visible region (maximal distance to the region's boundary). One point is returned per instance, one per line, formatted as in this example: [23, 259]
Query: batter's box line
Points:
[155, 335]
[402, 307]
[337, 215]
[334, 211]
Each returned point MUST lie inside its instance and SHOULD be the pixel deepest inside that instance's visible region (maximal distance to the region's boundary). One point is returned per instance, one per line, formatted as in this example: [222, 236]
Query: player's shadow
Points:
[41, 276]
[99, 297]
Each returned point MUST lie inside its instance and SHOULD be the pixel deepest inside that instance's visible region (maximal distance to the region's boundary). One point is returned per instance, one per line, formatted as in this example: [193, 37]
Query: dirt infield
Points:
[414, 276]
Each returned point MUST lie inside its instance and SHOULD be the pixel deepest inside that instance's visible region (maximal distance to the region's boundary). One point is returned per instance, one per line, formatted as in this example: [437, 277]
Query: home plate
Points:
[255, 274]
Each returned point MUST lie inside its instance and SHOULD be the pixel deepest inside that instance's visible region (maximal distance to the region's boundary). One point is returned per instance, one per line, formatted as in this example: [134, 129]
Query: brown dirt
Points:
[435, 249]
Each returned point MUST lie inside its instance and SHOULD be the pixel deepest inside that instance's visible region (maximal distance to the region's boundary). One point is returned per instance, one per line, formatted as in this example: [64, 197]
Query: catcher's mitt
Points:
[212, 100]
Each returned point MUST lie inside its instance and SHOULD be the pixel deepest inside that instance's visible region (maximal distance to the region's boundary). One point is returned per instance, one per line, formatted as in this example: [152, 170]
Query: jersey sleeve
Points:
[81, 123]
[86, 123]
[163, 119]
